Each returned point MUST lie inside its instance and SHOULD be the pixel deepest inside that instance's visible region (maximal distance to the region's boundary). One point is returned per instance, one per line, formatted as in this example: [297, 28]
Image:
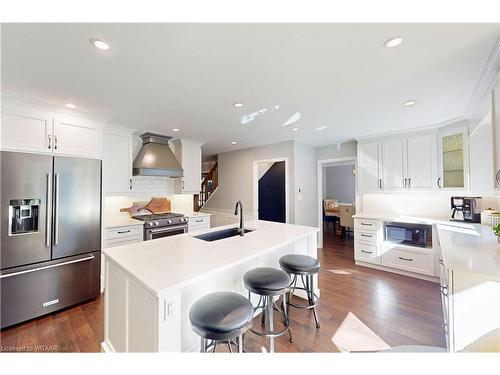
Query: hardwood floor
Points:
[361, 309]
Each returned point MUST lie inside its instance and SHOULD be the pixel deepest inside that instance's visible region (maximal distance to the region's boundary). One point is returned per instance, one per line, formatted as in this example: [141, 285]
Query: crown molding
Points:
[15, 99]
[486, 81]
[451, 122]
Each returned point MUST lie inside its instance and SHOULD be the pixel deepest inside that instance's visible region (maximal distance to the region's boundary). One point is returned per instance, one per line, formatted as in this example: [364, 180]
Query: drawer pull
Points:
[366, 235]
[407, 259]
[367, 252]
[199, 221]
[367, 224]
[47, 267]
[123, 231]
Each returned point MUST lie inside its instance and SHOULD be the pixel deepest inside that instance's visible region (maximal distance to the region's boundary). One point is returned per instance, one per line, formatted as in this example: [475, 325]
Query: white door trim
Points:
[320, 191]
[255, 184]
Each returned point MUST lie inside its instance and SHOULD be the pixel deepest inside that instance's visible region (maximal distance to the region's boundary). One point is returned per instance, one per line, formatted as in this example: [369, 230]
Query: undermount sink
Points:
[220, 234]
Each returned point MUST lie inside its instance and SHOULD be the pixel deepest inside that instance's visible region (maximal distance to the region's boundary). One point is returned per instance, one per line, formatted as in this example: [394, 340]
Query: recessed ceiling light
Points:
[175, 130]
[409, 103]
[70, 105]
[237, 105]
[295, 129]
[100, 44]
[320, 128]
[393, 42]
[234, 142]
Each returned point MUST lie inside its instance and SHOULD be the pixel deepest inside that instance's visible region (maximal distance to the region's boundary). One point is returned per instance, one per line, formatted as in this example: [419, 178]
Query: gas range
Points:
[163, 225]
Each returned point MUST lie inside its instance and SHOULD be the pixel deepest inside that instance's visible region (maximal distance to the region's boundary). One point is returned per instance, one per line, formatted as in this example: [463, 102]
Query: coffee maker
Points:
[466, 209]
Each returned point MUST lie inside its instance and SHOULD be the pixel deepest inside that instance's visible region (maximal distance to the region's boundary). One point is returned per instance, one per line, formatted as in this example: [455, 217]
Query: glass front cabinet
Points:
[453, 159]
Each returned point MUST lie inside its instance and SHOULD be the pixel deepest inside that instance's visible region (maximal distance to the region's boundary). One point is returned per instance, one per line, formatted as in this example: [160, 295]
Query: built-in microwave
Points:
[407, 234]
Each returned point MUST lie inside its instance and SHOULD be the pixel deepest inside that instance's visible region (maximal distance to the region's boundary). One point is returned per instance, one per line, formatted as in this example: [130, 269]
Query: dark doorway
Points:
[272, 204]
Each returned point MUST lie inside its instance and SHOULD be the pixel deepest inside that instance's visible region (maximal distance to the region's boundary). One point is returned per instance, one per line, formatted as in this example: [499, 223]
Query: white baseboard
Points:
[399, 272]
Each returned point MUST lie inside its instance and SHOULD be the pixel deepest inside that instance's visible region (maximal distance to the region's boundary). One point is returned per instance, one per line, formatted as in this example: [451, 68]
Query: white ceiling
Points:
[162, 76]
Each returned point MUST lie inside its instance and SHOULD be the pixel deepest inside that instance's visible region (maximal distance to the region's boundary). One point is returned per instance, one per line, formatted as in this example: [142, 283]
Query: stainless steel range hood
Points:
[155, 158]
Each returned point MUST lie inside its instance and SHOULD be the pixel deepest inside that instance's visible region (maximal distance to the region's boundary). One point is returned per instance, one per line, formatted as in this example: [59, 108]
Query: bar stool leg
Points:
[271, 325]
[287, 318]
[312, 301]
[240, 344]
[203, 345]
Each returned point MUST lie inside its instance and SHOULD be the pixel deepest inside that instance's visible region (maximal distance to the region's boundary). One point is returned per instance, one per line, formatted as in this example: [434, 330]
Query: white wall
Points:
[236, 176]
[347, 149]
[305, 184]
[339, 183]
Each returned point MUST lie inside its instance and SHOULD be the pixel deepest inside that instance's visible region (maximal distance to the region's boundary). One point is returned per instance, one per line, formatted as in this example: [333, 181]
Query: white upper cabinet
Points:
[496, 130]
[369, 166]
[398, 163]
[453, 158]
[394, 160]
[422, 166]
[117, 160]
[28, 128]
[77, 136]
[188, 153]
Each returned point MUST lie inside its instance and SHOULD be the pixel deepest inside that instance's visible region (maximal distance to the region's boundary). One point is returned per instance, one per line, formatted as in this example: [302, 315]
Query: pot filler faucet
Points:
[241, 229]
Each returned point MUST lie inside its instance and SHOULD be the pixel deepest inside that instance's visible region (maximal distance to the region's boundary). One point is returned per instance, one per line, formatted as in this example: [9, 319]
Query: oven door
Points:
[154, 233]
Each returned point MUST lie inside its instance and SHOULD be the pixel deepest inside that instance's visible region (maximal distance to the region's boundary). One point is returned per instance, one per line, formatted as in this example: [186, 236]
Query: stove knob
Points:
[151, 224]
[156, 223]
[169, 221]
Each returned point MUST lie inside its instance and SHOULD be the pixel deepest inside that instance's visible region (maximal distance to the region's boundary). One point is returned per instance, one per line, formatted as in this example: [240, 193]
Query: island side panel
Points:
[231, 279]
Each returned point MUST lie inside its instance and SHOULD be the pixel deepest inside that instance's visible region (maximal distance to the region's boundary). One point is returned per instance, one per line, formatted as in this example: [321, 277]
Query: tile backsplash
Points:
[157, 186]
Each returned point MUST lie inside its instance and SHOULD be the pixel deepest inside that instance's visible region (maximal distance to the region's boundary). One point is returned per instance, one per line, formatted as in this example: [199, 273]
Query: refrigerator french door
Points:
[50, 230]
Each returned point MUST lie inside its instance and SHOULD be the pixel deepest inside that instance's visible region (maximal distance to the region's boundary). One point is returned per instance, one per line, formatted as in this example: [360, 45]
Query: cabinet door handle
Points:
[50, 142]
[55, 142]
[130, 184]
[367, 252]
[409, 182]
[404, 183]
[123, 231]
[439, 183]
[56, 218]
[199, 221]
[182, 184]
[366, 235]
[407, 259]
[380, 183]
[497, 177]
[48, 208]
[367, 224]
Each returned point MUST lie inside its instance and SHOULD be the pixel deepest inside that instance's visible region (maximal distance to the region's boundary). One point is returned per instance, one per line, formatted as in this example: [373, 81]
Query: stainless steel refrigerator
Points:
[50, 230]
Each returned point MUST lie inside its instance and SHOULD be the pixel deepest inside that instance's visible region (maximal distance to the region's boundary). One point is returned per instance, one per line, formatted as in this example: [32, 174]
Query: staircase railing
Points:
[208, 186]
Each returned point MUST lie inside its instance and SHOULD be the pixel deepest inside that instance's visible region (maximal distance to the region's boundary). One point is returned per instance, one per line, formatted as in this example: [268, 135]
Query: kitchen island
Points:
[150, 286]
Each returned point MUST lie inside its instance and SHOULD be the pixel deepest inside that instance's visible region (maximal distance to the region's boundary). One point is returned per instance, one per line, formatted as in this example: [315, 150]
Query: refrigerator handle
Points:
[56, 214]
[48, 228]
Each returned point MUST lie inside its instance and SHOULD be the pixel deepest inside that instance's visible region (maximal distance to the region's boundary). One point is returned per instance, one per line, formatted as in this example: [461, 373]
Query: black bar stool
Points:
[268, 283]
[221, 316]
[305, 267]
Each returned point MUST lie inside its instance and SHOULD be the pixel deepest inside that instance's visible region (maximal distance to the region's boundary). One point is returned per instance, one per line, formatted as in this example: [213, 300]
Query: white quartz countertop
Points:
[195, 214]
[179, 260]
[121, 222]
[471, 248]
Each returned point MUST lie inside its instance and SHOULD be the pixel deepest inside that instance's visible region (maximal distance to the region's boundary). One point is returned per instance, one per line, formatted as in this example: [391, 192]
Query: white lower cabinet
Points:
[368, 237]
[118, 236]
[409, 259]
[370, 247]
[198, 222]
